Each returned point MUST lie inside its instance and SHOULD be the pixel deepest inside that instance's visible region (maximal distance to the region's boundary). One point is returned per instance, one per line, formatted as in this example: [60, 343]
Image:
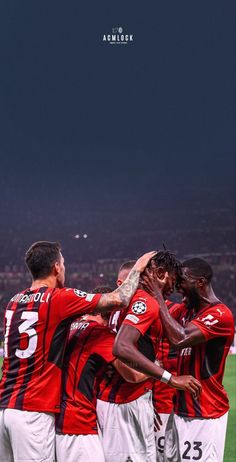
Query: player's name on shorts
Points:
[27, 298]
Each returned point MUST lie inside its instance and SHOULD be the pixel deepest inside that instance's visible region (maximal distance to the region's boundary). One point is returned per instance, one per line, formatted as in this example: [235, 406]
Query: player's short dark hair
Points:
[167, 260]
[40, 258]
[103, 290]
[199, 268]
[128, 265]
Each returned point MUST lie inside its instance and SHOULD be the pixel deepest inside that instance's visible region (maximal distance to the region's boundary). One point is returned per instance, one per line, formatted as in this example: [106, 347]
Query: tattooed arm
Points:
[121, 297]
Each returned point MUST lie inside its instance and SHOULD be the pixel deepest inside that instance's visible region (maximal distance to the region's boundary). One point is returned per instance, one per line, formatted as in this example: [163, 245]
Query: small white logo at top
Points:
[118, 37]
[139, 307]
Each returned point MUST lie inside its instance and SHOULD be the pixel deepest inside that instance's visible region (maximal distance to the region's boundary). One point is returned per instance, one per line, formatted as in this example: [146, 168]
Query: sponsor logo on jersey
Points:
[186, 351]
[139, 307]
[132, 318]
[80, 293]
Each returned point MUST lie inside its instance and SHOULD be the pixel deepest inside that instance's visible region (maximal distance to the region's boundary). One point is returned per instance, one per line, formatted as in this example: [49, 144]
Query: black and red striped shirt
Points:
[88, 353]
[37, 324]
[143, 314]
[206, 362]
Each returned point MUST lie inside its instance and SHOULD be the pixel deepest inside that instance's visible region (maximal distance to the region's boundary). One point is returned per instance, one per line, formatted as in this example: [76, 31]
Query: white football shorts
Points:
[128, 430]
[160, 437]
[79, 448]
[197, 439]
[26, 436]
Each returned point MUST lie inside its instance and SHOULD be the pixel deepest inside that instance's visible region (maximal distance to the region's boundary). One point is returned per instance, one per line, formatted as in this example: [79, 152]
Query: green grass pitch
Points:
[230, 385]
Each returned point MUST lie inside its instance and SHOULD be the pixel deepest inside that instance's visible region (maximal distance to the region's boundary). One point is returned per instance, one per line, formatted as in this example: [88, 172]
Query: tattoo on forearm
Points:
[129, 286]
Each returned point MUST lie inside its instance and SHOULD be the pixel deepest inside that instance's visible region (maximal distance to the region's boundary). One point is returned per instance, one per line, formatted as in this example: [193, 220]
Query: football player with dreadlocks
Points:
[136, 344]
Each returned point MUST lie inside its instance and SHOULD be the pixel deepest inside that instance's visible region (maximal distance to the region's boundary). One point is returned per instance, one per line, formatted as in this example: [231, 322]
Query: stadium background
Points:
[84, 249]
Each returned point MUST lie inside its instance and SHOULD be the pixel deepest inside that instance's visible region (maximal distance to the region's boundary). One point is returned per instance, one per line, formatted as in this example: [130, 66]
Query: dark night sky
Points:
[86, 125]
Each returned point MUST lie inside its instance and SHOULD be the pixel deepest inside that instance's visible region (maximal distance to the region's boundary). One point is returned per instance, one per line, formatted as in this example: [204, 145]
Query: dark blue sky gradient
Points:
[88, 126]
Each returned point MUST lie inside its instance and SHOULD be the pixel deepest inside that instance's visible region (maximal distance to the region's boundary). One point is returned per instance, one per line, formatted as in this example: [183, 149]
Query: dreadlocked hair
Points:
[167, 260]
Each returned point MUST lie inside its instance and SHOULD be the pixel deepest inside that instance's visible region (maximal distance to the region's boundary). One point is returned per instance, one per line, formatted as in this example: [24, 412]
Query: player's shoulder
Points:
[142, 301]
[69, 292]
[222, 310]
[217, 313]
[141, 294]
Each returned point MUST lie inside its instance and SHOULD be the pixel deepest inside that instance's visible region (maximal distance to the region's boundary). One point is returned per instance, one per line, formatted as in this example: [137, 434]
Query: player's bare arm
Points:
[129, 374]
[179, 336]
[121, 297]
[125, 348]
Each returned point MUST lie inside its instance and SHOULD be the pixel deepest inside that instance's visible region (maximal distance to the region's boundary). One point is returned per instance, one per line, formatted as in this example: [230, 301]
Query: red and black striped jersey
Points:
[206, 362]
[143, 314]
[37, 324]
[163, 394]
[88, 353]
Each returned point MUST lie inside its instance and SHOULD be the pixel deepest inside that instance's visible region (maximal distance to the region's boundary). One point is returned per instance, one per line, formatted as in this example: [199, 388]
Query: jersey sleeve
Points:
[106, 342]
[215, 322]
[141, 314]
[75, 302]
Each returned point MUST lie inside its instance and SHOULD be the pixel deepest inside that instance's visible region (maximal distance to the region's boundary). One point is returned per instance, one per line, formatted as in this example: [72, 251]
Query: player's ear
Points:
[118, 282]
[201, 282]
[56, 268]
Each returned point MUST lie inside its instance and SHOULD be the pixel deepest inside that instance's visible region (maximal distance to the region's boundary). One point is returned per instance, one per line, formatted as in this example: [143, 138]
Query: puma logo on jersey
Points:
[219, 311]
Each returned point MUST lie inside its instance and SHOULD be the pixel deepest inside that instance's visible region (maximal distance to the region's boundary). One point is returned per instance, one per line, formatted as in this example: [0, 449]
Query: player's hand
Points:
[142, 262]
[153, 285]
[157, 421]
[186, 383]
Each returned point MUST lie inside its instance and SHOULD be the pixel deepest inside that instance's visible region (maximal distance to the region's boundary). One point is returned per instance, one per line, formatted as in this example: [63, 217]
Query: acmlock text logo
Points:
[118, 37]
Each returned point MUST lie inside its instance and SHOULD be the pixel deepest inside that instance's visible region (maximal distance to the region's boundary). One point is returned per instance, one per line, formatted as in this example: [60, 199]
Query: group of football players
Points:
[115, 375]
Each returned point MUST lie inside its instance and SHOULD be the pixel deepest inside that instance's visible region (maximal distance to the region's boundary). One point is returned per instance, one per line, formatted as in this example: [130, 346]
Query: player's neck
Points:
[49, 281]
[207, 297]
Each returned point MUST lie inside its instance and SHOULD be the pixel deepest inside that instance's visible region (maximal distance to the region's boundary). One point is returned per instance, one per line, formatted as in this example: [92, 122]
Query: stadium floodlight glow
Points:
[101, 275]
[85, 236]
[76, 236]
